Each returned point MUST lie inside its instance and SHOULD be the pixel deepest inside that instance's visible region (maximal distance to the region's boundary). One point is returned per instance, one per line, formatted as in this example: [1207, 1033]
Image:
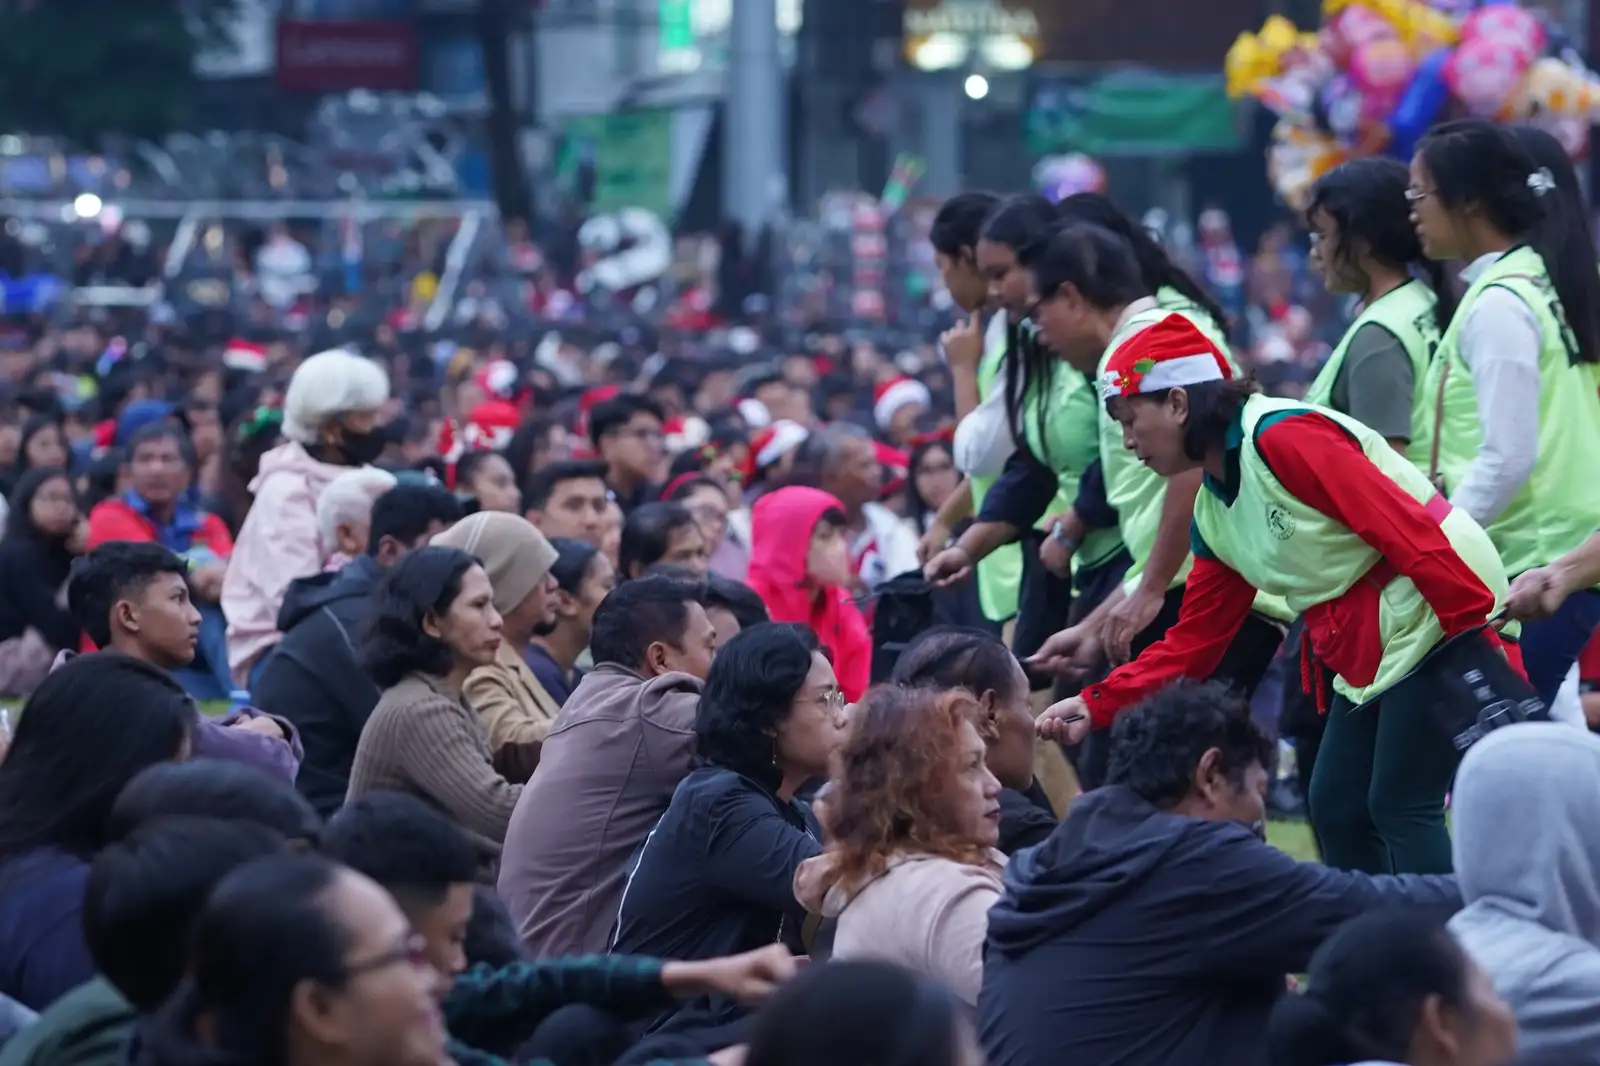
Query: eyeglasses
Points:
[413, 952]
[832, 701]
[1415, 195]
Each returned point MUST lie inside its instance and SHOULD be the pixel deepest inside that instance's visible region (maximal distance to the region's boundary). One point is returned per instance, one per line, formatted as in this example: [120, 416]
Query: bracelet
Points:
[1059, 532]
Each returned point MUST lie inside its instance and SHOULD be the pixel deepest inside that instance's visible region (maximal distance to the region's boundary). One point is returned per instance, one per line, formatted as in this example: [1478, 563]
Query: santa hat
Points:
[248, 356]
[889, 397]
[491, 425]
[771, 445]
[498, 378]
[755, 413]
[1172, 354]
[683, 432]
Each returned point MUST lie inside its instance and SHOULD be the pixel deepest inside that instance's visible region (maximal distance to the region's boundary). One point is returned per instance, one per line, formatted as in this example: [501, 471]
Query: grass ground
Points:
[1293, 838]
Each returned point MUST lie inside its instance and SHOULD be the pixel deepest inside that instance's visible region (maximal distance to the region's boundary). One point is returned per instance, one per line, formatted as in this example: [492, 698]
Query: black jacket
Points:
[716, 876]
[32, 571]
[1137, 937]
[313, 677]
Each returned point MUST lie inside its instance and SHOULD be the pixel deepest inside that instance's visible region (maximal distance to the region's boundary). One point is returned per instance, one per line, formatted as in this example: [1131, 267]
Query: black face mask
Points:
[362, 448]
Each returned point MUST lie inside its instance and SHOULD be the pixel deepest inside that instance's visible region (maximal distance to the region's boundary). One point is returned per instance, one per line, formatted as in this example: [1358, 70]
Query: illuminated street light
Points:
[977, 86]
[86, 205]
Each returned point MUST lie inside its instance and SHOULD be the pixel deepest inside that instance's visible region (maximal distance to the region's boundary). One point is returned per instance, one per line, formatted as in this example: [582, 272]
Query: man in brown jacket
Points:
[608, 768]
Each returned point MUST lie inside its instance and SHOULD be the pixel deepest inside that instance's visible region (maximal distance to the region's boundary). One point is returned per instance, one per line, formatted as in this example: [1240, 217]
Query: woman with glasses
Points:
[299, 961]
[44, 533]
[707, 499]
[1513, 422]
[715, 877]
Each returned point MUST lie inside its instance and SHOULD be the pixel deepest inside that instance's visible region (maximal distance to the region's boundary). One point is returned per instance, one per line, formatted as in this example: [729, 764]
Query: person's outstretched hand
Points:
[1070, 653]
[1536, 593]
[1127, 620]
[747, 978]
[1066, 722]
[934, 541]
[951, 566]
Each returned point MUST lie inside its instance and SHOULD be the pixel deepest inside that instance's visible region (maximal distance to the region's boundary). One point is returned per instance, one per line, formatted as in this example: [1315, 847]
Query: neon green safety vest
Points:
[1284, 546]
[1069, 445]
[1406, 312]
[1558, 507]
[999, 572]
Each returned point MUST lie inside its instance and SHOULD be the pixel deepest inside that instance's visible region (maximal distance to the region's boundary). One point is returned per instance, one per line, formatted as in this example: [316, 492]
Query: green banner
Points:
[1132, 113]
[632, 153]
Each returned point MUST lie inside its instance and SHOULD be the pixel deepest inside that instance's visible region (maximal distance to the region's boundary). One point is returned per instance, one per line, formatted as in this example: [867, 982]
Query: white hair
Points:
[328, 384]
[349, 498]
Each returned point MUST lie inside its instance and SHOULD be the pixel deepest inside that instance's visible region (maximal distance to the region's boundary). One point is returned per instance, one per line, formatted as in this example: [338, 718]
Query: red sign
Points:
[326, 57]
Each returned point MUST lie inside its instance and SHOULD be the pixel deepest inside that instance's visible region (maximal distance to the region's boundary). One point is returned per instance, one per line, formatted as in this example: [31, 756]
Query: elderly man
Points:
[344, 513]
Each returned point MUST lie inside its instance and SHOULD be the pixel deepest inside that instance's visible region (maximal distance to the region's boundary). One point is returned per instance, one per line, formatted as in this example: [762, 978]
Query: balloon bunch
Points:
[1379, 73]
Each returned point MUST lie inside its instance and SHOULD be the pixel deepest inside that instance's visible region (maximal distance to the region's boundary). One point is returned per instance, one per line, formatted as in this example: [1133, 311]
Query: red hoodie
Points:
[781, 524]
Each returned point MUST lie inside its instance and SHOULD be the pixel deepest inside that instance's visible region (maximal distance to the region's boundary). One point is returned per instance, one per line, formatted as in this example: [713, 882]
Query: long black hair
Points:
[1476, 162]
[1020, 223]
[959, 222]
[1157, 267]
[19, 523]
[1366, 201]
[62, 775]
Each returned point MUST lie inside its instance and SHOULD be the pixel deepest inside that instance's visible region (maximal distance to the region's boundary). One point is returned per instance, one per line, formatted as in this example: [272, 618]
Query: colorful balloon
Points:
[1417, 24]
[1556, 88]
[1485, 75]
[1352, 28]
[1508, 26]
[1381, 66]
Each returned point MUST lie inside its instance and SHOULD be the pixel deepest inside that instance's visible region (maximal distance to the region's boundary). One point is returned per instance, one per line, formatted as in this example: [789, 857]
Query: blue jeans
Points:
[1551, 645]
[208, 677]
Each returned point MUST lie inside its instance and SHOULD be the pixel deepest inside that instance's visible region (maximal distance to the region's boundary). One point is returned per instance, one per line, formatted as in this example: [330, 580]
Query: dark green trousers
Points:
[1377, 793]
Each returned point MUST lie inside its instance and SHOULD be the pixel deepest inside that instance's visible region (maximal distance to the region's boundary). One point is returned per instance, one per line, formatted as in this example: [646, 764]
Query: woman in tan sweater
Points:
[913, 817]
[433, 623]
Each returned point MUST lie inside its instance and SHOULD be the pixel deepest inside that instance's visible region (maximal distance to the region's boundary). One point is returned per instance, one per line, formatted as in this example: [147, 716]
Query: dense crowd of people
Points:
[820, 706]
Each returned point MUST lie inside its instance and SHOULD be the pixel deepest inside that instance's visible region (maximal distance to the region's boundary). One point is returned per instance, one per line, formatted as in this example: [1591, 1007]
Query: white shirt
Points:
[1500, 342]
[983, 440]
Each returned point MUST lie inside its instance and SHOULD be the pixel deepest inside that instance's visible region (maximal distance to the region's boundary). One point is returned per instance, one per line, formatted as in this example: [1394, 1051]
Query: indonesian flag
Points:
[245, 355]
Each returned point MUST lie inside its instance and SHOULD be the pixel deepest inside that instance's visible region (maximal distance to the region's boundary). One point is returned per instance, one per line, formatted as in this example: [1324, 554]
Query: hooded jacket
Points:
[1140, 937]
[1527, 853]
[781, 524]
[278, 542]
[314, 679]
[606, 772]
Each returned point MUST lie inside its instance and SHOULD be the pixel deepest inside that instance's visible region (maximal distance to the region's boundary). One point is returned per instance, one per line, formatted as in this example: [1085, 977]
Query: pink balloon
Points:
[1381, 66]
[1351, 28]
[1483, 74]
[1507, 25]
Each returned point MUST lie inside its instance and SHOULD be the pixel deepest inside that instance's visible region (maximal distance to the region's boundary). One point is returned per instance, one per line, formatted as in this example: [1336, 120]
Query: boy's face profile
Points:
[161, 618]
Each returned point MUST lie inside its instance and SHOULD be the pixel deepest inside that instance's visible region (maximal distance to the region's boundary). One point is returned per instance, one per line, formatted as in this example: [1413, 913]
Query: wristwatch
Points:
[1058, 532]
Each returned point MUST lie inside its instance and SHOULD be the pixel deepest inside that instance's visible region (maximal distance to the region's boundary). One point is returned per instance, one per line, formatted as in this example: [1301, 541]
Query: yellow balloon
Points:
[1247, 63]
[1278, 35]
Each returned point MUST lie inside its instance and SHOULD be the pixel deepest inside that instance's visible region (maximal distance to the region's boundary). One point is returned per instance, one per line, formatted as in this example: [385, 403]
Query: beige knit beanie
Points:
[515, 555]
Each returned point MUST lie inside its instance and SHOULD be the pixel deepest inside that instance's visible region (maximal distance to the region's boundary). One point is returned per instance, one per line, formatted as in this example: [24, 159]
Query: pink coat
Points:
[278, 543]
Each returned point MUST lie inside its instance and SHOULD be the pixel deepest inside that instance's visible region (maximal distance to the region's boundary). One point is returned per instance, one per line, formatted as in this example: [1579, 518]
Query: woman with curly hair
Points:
[913, 817]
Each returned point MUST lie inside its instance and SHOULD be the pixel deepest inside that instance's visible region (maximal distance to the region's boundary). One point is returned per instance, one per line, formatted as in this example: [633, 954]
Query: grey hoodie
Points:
[1527, 855]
